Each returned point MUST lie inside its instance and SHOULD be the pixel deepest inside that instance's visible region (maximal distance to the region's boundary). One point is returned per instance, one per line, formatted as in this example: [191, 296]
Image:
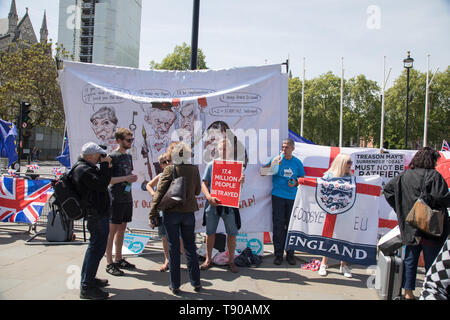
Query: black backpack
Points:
[67, 198]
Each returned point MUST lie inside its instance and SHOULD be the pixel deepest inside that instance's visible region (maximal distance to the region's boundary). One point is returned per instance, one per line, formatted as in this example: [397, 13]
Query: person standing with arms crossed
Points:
[122, 203]
[283, 196]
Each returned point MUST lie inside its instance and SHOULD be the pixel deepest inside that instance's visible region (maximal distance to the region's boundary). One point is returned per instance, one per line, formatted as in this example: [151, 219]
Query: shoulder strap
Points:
[174, 173]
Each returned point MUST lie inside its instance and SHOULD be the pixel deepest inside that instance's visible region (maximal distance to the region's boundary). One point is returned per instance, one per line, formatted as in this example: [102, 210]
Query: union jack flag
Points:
[22, 200]
[445, 146]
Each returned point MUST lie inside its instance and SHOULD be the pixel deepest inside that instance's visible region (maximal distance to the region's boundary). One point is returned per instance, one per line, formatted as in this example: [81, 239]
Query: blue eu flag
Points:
[8, 137]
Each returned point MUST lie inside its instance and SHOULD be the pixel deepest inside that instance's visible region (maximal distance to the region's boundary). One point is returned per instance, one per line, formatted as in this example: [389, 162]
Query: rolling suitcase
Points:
[389, 275]
[59, 227]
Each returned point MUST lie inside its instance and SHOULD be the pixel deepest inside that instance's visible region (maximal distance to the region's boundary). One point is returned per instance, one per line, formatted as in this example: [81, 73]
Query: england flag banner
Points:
[337, 218]
[197, 107]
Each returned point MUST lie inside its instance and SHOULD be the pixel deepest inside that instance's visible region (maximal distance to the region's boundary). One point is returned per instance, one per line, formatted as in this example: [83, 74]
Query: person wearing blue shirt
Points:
[284, 190]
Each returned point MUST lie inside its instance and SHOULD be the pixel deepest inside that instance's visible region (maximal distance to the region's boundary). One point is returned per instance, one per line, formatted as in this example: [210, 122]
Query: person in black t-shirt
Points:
[122, 201]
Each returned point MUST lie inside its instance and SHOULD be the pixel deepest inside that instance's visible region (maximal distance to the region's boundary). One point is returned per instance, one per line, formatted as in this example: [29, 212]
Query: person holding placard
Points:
[214, 211]
[340, 167]
[284, 190]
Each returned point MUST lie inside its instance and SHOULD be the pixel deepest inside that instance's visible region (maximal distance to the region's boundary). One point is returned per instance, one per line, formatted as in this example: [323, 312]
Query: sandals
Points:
[206, 266]
[113, 269]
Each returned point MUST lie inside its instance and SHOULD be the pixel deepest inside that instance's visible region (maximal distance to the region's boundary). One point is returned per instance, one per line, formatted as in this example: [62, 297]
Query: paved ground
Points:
[30, 270]
[51, 272]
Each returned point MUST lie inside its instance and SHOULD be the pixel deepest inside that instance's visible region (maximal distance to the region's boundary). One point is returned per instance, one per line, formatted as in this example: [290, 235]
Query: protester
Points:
[180, 218]
[214, 211]
[91, 184]
[284, 190]
[163, 162]
[340, 167]
[122, 201]
[437, 280]
[401, 193]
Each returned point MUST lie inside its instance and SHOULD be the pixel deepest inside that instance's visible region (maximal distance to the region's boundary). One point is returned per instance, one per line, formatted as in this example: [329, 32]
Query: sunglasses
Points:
[166, 162]
[350, 162]
[129, 140]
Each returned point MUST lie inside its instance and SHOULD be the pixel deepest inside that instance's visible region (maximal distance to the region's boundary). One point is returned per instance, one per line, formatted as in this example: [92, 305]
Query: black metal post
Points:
[407, 107]
[20, 134]
[194, 40]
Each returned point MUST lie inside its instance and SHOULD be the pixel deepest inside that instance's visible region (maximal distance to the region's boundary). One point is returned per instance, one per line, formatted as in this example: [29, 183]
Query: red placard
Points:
[225, 184]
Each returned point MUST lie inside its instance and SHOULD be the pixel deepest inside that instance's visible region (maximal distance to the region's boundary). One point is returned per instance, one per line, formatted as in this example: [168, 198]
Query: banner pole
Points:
[303, 98]
[342, 102]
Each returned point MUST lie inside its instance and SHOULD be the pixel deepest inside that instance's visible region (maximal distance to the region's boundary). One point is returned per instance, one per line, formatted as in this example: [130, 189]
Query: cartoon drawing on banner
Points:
[160, 118]
[104, 123]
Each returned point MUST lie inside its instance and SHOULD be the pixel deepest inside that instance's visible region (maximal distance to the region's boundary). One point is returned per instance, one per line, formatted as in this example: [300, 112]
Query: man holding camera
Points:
[122, 204]
[91, 183]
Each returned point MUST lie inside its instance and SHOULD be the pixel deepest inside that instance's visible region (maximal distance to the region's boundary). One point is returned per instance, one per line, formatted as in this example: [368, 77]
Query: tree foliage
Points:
[28, 73]
[362, 110]
[180, 59]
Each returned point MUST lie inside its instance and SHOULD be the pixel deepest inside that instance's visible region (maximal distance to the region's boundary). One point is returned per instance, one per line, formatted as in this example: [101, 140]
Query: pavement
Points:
[35, 270]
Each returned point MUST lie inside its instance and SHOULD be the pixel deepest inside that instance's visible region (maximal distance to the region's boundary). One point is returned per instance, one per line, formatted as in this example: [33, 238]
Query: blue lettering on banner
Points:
[337, 249]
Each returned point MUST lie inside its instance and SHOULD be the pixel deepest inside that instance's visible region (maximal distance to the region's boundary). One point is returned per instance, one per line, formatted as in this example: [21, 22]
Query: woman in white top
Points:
[339, 168]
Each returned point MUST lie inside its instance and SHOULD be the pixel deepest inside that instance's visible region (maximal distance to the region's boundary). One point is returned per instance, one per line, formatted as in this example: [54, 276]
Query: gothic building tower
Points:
[22, 32]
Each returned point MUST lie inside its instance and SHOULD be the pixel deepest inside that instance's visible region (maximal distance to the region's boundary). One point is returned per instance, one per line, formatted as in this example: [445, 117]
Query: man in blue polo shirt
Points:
[284, 191]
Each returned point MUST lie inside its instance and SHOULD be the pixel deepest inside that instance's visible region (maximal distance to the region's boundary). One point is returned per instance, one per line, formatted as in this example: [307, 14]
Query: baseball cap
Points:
[92, 148]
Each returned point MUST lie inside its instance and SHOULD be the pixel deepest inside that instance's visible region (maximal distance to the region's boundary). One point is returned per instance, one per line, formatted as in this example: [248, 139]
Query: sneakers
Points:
[124, 264]
[93, 293]
[346, 271]
[113, 269]
[323, 270]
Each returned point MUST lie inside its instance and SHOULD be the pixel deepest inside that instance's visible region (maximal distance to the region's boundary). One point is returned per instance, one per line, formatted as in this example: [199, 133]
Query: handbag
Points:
[424, 218]
[175, 196]
[390, 242]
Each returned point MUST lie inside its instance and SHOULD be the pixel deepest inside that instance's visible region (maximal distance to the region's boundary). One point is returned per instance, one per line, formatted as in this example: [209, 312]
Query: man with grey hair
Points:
[91, 183]
[284, 190]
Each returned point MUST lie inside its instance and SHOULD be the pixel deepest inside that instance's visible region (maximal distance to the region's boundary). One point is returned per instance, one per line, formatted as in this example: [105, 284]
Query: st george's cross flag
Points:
[22, 200]
[337, 218]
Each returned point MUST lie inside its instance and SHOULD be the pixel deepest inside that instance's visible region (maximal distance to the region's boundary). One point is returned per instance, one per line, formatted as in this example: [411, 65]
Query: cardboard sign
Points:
[133, 244]
[225, 184]
[254, 241]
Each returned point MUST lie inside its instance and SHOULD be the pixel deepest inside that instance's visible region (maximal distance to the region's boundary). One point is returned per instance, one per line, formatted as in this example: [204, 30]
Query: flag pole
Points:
[427, 91]
[303, 98]
[342, 102]
[382, 101]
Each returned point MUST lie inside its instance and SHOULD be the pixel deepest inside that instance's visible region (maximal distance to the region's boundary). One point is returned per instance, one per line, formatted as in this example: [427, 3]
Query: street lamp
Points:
[408, 64]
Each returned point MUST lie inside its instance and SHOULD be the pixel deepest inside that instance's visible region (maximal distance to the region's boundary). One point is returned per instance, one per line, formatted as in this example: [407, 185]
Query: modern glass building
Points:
[101, 31]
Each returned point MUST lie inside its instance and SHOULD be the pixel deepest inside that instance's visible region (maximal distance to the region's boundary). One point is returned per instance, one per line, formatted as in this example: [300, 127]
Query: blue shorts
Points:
[212, 221]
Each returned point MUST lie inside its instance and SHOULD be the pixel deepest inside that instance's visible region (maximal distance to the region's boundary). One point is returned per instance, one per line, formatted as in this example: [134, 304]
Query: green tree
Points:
[28, 73]
[439, 109]
[362, 115]
[395, 106]
[180, 59]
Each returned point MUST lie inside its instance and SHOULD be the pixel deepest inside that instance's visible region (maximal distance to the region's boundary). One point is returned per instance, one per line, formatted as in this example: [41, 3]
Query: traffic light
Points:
[25, 110]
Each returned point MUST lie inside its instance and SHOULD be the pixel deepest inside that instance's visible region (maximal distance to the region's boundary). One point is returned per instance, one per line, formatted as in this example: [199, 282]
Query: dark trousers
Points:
[99, 231]
[281, 214]
[412, 253]
[176, 222]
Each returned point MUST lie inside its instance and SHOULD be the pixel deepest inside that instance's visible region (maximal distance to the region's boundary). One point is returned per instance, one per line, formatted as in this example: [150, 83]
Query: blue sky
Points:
[236, 33]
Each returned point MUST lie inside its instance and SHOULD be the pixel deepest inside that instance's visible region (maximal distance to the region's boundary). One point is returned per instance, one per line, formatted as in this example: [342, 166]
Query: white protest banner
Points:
[197, 107]
[337, 218]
